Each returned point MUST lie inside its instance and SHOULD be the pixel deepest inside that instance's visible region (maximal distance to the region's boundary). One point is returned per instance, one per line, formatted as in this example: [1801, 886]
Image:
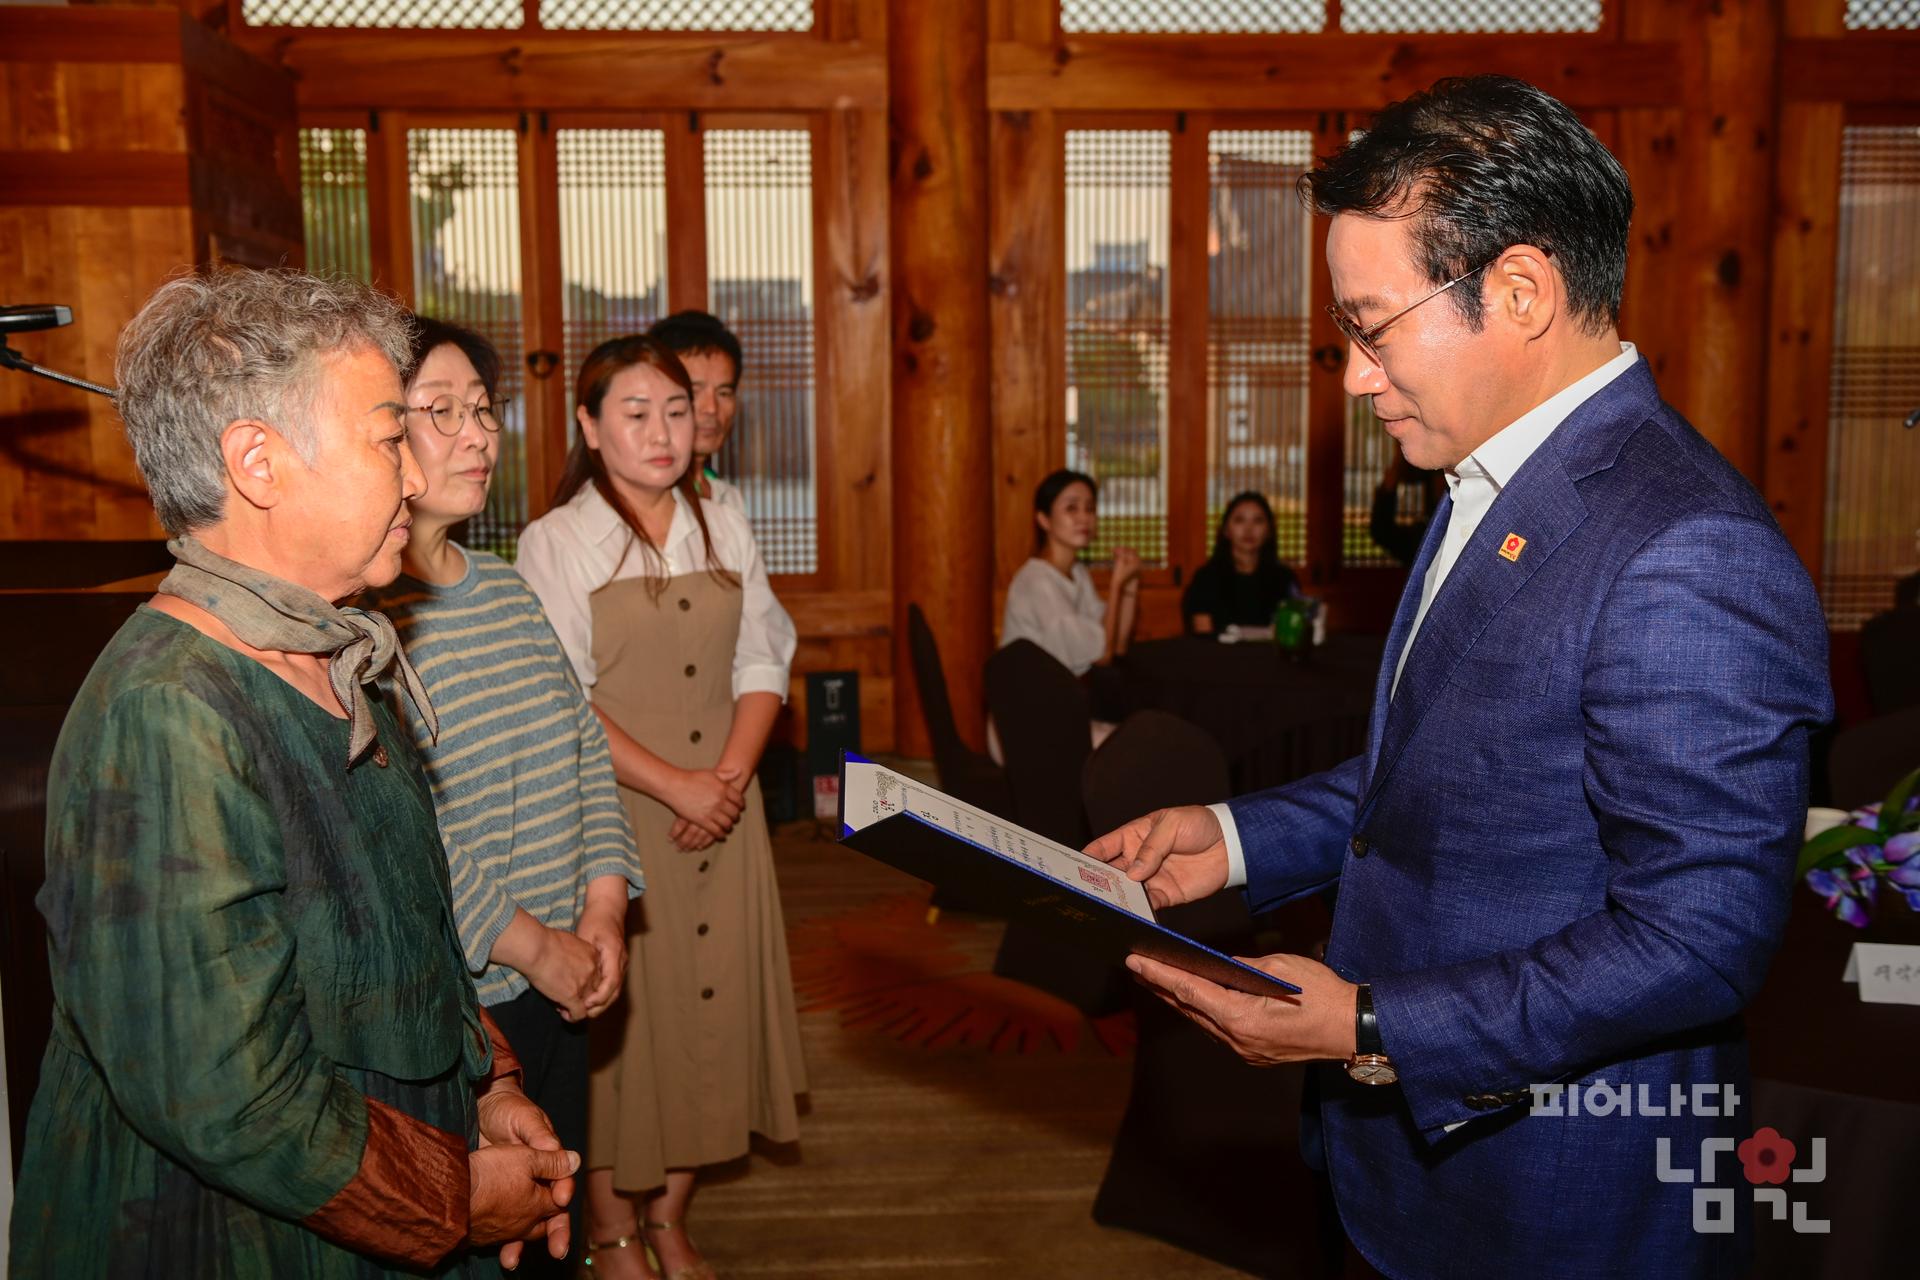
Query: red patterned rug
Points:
[886, 969]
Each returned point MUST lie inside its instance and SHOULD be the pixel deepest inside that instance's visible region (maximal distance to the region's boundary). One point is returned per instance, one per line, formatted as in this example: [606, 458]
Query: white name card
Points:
[1887, 973]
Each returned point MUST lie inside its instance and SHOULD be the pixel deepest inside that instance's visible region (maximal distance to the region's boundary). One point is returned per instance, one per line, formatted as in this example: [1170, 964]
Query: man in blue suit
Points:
[1567, 854]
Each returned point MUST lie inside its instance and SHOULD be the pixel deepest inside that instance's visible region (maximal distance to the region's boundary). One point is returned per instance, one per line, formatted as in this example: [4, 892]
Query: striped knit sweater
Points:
[522, 778]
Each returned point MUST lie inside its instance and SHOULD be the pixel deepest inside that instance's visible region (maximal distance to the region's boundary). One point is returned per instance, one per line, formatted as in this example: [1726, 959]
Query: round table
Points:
[1277, 716]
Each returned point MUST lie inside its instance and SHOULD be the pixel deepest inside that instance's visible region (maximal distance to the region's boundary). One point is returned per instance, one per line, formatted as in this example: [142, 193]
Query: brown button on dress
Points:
[704, 1048]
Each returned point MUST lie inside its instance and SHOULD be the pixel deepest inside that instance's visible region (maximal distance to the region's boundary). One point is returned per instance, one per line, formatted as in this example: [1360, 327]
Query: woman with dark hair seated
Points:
[1244, 581]
[1052, 600]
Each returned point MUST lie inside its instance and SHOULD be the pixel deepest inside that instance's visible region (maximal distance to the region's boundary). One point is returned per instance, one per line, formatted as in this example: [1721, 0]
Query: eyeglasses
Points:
[449, 414]
[1364, 338]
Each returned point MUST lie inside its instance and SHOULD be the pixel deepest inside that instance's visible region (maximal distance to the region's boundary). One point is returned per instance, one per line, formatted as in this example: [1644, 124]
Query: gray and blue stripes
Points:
[522, 778]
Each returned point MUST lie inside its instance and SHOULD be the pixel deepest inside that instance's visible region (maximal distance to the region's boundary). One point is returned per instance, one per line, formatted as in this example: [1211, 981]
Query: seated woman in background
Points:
[1244, 581]
[1052, 600]
[538, 847]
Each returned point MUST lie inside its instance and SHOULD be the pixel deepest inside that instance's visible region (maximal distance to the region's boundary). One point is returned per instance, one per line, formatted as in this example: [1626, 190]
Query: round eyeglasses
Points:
[449, 414]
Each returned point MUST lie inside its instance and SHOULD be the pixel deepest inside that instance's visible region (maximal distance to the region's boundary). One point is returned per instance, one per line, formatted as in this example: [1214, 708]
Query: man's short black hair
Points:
[697, 333]
[1482, 163]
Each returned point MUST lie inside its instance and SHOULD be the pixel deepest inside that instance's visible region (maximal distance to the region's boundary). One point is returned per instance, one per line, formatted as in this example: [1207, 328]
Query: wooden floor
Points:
[919, 1161]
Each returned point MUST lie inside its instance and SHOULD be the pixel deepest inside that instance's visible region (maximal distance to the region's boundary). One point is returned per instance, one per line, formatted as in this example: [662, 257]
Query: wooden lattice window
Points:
[1118, 184]
[1883, 15]
[1470, 15]
[759, 201]
[1198, 16]
[442, 14]
[677, 15]
[464, 186]
[1873, 468]
[613, 238]
[333, 198]
[1259, 287]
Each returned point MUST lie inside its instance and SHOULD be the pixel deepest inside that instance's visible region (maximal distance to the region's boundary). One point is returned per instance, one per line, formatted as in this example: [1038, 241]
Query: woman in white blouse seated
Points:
[661, 601]
[1052, 600]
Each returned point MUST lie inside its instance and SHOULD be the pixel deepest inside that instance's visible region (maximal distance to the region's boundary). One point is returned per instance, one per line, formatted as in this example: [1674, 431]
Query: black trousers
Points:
[553, 1057]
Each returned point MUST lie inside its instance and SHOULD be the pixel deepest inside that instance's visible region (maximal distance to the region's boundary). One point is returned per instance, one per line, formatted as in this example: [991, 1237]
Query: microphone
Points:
[1913, 420]
[28, 319]
[40, 315]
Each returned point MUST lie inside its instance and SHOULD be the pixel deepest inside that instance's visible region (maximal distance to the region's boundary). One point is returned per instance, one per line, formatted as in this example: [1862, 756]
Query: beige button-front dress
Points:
[704, 1048]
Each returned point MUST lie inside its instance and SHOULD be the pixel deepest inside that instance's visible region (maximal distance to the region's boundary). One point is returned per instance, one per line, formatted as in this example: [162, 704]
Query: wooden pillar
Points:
[1717, 155]
[942, 456]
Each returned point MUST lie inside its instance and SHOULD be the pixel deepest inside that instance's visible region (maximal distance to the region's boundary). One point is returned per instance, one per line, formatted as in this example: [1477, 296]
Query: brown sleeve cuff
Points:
[408, 1203]
[505, 1061]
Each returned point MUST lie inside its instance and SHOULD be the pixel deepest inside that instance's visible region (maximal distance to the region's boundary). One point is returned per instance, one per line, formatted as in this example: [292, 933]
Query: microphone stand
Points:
[12, 359]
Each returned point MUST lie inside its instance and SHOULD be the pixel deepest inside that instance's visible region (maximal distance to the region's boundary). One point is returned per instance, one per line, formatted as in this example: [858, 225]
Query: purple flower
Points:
[1844, 897]
[1901, 847]
[1913, 898]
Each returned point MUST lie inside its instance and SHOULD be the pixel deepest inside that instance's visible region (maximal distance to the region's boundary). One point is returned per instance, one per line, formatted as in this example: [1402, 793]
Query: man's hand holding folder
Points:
[1180, 855]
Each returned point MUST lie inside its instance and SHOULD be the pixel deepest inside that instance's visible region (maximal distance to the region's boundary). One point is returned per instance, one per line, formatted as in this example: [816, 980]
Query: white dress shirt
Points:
[1474, 484]
[574, 550]
[1062, 614]
[726, 493]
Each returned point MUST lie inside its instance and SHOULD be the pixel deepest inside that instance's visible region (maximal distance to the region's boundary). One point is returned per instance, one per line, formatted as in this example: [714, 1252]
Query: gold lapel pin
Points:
[1512, 547]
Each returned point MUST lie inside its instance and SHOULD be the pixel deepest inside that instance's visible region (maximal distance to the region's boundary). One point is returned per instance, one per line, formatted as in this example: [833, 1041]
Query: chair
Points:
[1046, 727]
[1207, 1156]
[965, 774]
[1888, 643]
[1866, 760]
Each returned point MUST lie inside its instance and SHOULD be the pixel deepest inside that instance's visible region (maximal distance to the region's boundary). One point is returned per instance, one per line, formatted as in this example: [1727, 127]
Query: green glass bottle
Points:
[1290, 625]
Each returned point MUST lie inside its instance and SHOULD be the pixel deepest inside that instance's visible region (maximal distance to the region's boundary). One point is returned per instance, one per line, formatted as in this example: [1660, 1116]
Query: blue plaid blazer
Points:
[1566, 856]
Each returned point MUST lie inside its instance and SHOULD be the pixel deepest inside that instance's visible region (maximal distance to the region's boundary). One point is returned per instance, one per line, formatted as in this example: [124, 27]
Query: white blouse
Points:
[1065, 616]
[574, 550]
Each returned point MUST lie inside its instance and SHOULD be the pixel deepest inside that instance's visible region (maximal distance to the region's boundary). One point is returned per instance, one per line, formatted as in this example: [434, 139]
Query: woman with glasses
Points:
[540, 855]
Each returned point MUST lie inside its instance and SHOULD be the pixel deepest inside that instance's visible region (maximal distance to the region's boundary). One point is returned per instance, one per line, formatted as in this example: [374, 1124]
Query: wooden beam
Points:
[46, 33]
[568, 69]
[1877, 69]
[1184, 73]
[942, 470]
[101, 178]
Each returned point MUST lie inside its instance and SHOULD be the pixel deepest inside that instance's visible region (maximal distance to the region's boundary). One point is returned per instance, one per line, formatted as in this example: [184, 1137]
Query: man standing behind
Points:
[711, 355]
[1567, 854]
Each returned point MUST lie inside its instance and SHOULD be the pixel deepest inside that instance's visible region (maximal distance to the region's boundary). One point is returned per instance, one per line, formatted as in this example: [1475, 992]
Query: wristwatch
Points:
[1369, 1065]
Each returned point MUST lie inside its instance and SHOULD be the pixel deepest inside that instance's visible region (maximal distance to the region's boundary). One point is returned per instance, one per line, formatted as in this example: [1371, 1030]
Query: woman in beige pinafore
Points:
[682, 666]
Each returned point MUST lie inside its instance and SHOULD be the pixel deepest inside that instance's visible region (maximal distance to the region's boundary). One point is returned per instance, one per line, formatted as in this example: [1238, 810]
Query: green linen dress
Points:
[247, 940]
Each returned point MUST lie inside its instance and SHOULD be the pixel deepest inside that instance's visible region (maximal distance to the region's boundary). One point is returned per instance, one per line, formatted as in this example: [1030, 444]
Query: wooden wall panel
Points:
[133, 143]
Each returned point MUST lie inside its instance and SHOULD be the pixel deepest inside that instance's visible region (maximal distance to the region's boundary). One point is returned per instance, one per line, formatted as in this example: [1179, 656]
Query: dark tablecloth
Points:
[1277, 717]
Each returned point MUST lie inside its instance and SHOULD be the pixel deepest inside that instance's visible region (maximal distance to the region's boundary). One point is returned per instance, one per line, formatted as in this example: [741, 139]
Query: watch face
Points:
[1377, 1071]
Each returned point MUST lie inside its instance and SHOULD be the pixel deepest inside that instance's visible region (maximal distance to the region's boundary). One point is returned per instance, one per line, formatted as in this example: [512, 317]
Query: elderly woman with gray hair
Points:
[267, 1058]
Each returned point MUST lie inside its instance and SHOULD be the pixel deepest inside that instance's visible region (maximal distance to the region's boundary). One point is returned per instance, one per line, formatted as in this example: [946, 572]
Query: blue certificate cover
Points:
[926, 833]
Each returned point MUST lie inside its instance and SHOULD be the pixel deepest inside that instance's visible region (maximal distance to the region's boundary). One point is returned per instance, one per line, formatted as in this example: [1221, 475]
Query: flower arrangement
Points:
[1846, 863]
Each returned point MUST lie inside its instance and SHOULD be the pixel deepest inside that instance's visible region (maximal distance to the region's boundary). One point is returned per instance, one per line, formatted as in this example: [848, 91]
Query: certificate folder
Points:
[926, 833]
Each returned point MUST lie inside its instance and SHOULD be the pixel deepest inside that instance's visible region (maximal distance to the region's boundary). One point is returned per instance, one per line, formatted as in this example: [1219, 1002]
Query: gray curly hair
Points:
[230, 343]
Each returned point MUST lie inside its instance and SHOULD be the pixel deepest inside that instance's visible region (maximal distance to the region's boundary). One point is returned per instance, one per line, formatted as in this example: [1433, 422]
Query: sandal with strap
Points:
[702, 1270]
[624, 1242]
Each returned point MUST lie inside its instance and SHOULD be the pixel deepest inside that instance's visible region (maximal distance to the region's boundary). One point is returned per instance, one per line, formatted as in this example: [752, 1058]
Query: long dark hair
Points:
[585, 466]
[1267, 566]
[1049, 493]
